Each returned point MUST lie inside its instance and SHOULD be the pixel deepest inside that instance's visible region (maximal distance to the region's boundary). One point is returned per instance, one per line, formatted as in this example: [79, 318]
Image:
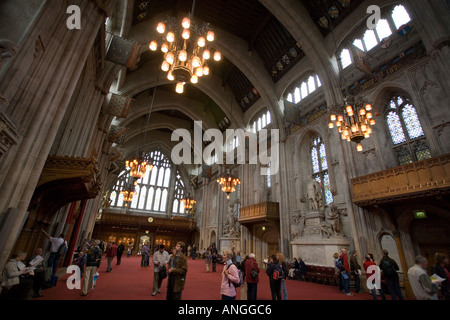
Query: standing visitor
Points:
[389, 268]
[160, 260]
[230, 275]
[177, 273]
[251, 276]
[421, 284]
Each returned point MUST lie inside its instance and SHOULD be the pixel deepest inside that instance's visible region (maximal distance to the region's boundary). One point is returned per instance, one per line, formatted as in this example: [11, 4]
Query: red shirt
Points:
[345, 260]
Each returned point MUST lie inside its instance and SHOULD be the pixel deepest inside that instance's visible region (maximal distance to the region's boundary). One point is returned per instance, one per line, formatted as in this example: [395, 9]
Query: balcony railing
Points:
[261, 212]
[420, 178]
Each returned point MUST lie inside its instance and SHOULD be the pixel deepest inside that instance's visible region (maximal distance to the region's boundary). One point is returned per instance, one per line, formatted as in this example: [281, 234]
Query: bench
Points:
[321, 274]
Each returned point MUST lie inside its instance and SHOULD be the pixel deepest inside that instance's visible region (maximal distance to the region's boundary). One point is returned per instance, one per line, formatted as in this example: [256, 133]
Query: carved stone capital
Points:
[8, 134]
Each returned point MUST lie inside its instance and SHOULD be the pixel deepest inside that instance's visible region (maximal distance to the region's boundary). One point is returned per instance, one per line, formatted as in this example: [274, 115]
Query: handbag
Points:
[254, 274]
[163, 272]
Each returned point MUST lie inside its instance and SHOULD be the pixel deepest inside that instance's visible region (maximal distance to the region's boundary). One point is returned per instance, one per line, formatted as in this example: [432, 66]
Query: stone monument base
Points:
[229, 243]
[318, 251]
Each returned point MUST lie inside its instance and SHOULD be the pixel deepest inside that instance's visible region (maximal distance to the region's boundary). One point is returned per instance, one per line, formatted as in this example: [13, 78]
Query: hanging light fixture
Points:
[128, 192]
[139, 165]
[228, 182]
[187, 47]
[354, 122]
[188, 203]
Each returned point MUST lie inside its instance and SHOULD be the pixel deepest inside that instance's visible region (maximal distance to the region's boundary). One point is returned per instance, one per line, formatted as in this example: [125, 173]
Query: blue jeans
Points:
[357, 283]
[374, 294]
[346, 282]
[53, 261]
[284, 290]
[394, 289]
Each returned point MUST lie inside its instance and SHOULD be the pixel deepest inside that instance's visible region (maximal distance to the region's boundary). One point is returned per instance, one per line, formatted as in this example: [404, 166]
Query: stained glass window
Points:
[320, 167]
[412, 122]
[395, 128]
[401, 117]
[152, 191]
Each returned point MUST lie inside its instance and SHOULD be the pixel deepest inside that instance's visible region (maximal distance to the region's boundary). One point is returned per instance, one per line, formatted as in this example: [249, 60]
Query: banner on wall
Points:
[119, 106]
[123, 52]
[117, 134]
[361, 60]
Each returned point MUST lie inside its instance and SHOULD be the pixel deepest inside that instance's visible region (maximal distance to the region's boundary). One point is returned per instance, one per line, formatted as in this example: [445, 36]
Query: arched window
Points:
[320, 167]
[346, 59]
[152, 190]
[400, 16]
[406, 131]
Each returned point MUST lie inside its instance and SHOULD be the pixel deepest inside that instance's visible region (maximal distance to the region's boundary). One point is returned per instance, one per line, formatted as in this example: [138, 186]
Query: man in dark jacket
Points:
[177, 273]
[120, 250]
[389, 268]
[356, 270]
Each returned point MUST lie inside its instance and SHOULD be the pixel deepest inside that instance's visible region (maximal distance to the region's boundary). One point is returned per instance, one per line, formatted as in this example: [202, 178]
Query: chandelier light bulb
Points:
[217, 56]
[338, 123]
[199, 72]
[180, 87]
[196, 62]
[182, 55]
[161, 28]
[186, 34]
[170, 57]
[349, 110]
[359, 147]
[333, 117]
[205, 70]
[368, 107]
[331, 125]
[153, 46]
[201, 42]
[372, 122]
[194, 79]
[186, 23]
[170, 76]
[165, 47]
[170, 36]
[206, 54]
[362, 112]
[369, 115]
[369, 130]
[165, 66]
[210, 36]
[340, 118]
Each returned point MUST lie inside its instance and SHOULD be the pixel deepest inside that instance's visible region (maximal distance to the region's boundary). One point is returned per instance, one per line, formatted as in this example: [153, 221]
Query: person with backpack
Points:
[58, 247]
[389, 268]
[275, 272]
[251, 276]
[230, 278]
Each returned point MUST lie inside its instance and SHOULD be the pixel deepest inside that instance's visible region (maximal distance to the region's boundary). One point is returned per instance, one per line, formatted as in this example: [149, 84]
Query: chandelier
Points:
[128, 193]
[354, 122]
[228, 182]
[186, 47]
[188, 203]
[139, 166]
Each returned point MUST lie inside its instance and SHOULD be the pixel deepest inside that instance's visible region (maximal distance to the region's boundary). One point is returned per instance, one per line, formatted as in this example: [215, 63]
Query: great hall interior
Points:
[338, 114]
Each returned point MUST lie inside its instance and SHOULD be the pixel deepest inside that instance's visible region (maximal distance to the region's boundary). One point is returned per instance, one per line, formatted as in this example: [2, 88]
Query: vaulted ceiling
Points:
[249, 25]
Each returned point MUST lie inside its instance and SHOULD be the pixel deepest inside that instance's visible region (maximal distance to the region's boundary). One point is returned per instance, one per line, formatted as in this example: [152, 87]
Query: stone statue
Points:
[231, 226]
[298, 225]
[314, 194]
[332, 216]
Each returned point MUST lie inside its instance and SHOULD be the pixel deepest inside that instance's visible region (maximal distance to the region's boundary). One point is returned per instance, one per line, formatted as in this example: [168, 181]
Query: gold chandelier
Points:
[138, 166]
[188, 203]
[228, 182]
[128, 193]
[354, 122]
[186, 48]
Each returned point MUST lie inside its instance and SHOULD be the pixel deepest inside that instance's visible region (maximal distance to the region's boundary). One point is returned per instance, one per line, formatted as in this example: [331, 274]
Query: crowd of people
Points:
[25, 278]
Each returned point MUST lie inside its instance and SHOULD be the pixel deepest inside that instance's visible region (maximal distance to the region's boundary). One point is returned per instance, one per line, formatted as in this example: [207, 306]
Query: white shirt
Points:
[55, 244]
[162, 258]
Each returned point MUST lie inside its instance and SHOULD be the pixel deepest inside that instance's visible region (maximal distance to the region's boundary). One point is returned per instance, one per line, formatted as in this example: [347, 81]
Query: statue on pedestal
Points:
[333, 219]
[314, 194]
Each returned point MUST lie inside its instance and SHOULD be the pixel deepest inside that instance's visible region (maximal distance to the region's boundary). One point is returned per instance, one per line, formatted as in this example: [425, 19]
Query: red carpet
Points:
[129, 281]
